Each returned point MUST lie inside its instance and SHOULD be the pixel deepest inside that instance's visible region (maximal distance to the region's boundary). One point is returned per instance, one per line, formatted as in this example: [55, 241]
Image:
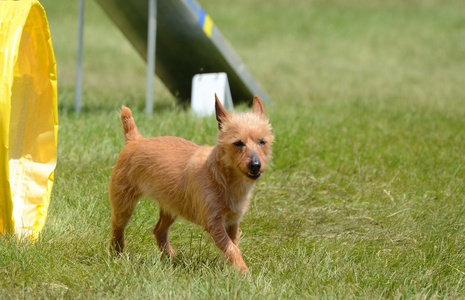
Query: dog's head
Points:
[245, 139]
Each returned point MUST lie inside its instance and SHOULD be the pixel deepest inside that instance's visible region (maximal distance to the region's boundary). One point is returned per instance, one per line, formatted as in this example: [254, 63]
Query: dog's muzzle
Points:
[254, 167]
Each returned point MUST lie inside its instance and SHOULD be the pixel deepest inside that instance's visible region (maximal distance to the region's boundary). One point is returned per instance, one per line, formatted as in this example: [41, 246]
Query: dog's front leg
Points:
[223, 241]
[233, 233]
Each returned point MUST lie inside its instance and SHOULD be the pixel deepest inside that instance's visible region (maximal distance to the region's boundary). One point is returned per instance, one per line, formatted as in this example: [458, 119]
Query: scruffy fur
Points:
[209, 186]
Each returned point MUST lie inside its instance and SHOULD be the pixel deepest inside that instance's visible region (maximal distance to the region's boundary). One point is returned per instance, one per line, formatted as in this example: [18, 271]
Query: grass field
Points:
[365, 196]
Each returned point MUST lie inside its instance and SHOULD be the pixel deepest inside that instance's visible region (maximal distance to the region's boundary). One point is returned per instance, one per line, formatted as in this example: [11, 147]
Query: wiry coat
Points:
[209, 186]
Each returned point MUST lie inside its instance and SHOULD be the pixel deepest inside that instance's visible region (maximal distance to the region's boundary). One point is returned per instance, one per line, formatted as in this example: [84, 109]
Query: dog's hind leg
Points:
[161, 233]
[122, 207]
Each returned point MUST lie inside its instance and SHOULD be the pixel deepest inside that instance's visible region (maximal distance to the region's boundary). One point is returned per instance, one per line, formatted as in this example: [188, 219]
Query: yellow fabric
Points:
[28, 117]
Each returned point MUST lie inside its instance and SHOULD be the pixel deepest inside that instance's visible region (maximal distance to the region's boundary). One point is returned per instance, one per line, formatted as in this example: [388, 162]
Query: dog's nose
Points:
[254, 164]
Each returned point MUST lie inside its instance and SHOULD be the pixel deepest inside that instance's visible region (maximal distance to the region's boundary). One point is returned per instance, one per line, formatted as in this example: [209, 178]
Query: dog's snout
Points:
[254, 164]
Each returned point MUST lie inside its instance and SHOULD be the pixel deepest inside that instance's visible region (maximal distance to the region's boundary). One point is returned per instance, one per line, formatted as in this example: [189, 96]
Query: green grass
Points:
[365, 196]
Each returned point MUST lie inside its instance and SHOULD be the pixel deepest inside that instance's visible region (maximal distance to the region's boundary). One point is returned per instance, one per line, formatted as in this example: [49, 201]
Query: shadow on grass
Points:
[182, 263]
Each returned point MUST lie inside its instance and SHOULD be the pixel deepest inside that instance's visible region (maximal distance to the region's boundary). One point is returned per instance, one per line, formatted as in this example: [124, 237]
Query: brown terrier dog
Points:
[209, 186]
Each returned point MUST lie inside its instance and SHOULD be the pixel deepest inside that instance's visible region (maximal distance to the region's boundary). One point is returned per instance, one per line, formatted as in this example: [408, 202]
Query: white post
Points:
[151, 39]
[78, 87]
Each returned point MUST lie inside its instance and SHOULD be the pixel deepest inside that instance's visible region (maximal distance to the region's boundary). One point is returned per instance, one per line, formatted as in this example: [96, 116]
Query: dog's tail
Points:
[129, 126]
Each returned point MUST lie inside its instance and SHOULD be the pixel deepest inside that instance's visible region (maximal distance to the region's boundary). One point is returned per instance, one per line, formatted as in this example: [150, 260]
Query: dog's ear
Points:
[221, 113]
[258, 107]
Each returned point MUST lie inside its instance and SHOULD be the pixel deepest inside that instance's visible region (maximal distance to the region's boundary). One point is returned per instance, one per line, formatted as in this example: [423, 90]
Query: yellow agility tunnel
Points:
[28, 117]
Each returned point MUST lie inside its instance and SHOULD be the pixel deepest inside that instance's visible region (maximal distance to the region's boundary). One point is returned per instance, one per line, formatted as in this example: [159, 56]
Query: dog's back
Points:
[152, 163]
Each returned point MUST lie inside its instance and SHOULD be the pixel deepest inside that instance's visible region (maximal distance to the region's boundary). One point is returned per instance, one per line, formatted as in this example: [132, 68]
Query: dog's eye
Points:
[239, 144]
[262, 143]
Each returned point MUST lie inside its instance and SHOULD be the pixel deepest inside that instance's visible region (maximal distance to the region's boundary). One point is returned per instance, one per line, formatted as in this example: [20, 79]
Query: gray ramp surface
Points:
[187, 43]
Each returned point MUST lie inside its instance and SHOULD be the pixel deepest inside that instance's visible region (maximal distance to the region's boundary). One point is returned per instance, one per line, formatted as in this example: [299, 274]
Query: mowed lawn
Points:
[365, 195]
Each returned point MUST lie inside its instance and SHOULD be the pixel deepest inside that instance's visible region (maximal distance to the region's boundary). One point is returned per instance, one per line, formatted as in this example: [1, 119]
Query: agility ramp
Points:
[28, 117]
[187, 43]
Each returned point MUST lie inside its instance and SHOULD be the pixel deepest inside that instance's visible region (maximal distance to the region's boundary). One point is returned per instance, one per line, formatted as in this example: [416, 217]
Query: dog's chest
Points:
[236, 206]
